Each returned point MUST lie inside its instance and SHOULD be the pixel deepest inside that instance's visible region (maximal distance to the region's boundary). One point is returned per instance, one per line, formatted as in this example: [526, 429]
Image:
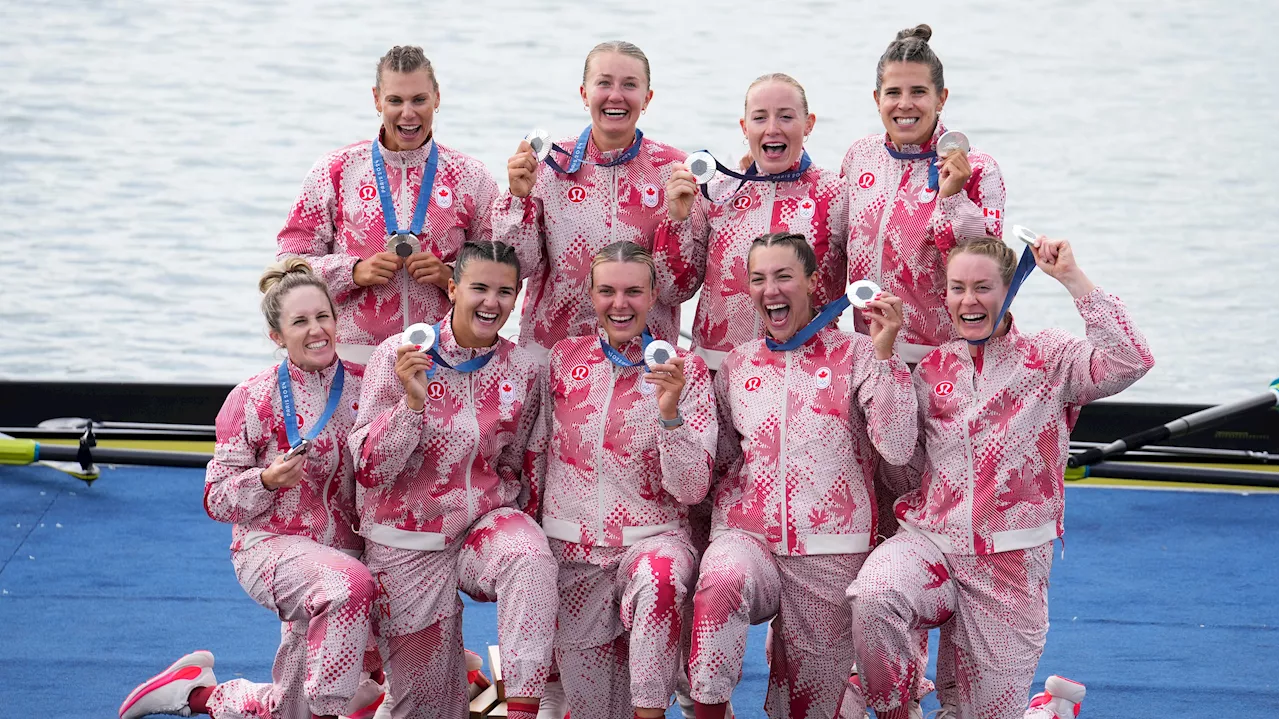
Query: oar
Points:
[79, 423]
[147, 434]
[1165, 453]
[1165, 473]
[1193, 422]
[26, 451]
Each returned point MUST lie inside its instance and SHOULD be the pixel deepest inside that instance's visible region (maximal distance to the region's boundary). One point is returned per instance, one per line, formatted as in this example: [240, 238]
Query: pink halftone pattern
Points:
[251, 435]
[800, 431]
[814, 206]
[323, 596]
[637, 595]
[337, 220]
[900, 234]
[569, 218]
[992, 609]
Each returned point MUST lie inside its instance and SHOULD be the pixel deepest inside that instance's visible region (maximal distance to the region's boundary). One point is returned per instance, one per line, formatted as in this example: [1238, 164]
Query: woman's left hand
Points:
[953, 171]
[884, 318]
[669, 379]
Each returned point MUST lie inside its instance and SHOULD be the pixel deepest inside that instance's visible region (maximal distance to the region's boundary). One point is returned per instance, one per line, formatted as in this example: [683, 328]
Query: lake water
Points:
[149, 151]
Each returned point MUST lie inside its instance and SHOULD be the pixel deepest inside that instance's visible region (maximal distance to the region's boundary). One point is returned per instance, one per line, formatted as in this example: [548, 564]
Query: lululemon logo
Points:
[579, 373]
[368, 192]
[752, 384]
[435, 390]
[576, 194]
[741, 203]
[866, 180]
[944, 389]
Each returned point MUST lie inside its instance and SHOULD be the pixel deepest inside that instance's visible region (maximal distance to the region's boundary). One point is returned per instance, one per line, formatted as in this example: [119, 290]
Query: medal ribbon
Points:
[290, 414]
[424, 192]
[753, 175]
[620, 359]
[1026, 265]
[825, 316]
[467, 367]
[930, 155]
[576, 160]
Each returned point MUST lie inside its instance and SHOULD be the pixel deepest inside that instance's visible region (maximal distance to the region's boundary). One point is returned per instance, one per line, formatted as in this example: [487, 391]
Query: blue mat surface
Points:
[1166, 602]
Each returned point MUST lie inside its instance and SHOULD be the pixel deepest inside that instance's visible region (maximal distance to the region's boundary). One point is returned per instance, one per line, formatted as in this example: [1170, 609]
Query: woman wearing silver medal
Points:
[380, 221]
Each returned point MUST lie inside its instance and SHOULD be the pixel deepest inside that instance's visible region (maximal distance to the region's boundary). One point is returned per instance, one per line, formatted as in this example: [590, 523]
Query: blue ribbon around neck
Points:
[576, 160]
[931, 155]
[825, 316]
[753, 175]
[424, 192]
[290, 414]
[620, 359]
[1026, 265]
[469, 366]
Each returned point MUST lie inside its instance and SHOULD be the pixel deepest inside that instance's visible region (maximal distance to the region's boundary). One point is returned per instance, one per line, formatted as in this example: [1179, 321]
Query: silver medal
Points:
[659, 352]
[403, 244]
[420, 335]
[702, 166]
[862, 292]
[951, 141]
[540, 141]
[1018, 232]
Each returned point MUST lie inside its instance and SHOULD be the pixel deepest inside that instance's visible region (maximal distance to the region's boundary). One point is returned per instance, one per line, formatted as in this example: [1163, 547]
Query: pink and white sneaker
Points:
[167, 692]
[1060, 696]
[369, 698]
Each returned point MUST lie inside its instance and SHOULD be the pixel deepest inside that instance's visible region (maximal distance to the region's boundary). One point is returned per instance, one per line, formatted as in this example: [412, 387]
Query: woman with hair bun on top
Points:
[908, 207]
[382, 220]
[788, 194]
[608, 187]
[293, 547]
[996, 408]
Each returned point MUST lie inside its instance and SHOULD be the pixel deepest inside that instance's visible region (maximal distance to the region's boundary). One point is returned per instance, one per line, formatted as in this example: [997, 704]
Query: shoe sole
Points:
[168, 676]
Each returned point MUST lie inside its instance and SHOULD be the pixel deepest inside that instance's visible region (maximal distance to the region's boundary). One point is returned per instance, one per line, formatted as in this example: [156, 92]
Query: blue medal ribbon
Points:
[825, 316]
[467, 367]
[576, 160]
[620, 359]
[290, 414]
[753, 175]
[1026, 265]
[930, 155]
[424, 192]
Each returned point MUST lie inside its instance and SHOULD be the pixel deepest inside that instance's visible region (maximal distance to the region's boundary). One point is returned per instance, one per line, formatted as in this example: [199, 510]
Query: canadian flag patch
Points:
[444, 197]
[506, 392]
[823, 377]
[806, 208]
[649, 195]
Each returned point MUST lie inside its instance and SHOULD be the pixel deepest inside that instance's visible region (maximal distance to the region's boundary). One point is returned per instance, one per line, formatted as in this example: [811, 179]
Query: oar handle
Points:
[1196, 421]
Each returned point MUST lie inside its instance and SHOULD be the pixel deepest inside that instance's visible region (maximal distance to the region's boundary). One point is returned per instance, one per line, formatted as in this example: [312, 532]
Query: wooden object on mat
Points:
[495, 668]
[484, 702]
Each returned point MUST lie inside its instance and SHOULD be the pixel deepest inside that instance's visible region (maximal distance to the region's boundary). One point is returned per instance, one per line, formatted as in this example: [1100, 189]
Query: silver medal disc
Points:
[420, 335]
[1018, 232]
[403, 245]
[659, 352]
[702, 166]
[540, 141]
[862, 292]
[951, 141]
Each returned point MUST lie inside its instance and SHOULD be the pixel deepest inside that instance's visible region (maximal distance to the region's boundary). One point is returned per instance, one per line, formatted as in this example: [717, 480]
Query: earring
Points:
[744, 139]
[643, 111]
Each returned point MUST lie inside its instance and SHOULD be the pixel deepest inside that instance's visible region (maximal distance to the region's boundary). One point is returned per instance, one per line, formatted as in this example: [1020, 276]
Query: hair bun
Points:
[276, 272]
[921, 31]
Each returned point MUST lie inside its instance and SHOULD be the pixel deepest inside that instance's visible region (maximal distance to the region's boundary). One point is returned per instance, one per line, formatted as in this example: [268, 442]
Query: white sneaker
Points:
[946, 711]
[552, 703]
[368, 700]
[1060, 696]
[167, 692]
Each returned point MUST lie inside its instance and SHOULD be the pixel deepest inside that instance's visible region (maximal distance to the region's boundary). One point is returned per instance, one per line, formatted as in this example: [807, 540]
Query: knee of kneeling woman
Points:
[873, 598]
[360, 587]
[720, 587]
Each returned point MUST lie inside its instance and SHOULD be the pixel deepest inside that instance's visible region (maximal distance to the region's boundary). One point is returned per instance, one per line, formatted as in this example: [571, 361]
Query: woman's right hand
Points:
[681, 192]
[411, 364]
[284, 474]
[522, 170]
[376, 270]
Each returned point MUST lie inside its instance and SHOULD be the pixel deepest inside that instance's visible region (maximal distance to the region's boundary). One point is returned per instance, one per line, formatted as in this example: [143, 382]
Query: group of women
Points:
[633, 507]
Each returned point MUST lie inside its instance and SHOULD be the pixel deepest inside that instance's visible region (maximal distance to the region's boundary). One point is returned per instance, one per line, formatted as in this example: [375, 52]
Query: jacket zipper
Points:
[475, 447]
[604, 425]
[884, 221]
[968, 453]
[613, 209]
[782, 453]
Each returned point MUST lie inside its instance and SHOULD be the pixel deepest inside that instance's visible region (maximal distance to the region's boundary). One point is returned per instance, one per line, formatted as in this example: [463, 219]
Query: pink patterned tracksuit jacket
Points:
[615, 508]
[987, 504]
[337, 220]
[794, 511]
[567, 219]
[293, 549]
[813, 205]
[900, 231]
[437, 492]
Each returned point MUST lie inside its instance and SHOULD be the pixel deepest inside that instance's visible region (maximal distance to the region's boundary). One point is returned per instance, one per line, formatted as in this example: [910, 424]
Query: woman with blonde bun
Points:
[282, 476]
